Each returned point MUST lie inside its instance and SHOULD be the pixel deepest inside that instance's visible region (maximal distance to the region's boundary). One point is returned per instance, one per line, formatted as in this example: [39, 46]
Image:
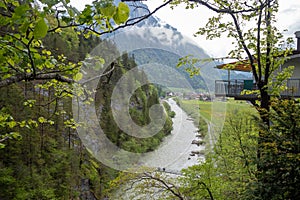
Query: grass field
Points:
[210, 117]
[214, 112]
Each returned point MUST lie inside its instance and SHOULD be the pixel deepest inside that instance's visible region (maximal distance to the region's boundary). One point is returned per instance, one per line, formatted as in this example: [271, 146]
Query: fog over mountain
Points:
[153, 41]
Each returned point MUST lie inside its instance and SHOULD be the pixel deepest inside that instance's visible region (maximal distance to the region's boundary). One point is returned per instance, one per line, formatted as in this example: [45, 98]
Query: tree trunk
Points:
[263, 110]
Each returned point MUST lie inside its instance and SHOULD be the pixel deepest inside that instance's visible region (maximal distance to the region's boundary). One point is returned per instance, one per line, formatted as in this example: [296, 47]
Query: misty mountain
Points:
[154, 42]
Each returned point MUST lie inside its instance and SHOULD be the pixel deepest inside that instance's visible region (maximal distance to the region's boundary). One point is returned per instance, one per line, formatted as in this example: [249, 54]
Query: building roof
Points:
[244, 65]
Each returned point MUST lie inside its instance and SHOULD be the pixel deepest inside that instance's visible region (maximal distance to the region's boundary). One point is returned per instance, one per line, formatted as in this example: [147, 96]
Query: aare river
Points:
[174, 153]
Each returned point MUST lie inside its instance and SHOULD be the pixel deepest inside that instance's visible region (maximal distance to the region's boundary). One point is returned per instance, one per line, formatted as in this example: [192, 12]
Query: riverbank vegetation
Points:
[229, 170]
[215, 112]
[228, 166]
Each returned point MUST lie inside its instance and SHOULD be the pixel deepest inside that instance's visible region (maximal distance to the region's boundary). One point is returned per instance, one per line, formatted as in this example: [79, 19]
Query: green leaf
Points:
[2, 146]
[42, 120]
[2, 5]
[12, 124]
[122, 13]
[78, 76]
[21, 10]
[40, 29]
[22, 124]
[108, 11]
[99, 64]
[11, 62]
[16, 135]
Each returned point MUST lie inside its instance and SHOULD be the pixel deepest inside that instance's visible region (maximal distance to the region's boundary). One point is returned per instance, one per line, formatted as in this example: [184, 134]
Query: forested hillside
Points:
[46, 160]
[144, 97]
[44, 157]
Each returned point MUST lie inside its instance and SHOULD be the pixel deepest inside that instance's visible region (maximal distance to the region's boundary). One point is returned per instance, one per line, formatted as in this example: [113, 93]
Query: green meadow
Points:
[214, 112]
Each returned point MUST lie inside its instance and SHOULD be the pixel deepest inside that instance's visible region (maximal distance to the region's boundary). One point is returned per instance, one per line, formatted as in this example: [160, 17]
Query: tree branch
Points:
[242, 40]
[207, 189]
[3, 139]
[101, 75]
[258, 47]
[30, 76]
[268, 56]
[224, 10]
[169, 188]
[129, 20]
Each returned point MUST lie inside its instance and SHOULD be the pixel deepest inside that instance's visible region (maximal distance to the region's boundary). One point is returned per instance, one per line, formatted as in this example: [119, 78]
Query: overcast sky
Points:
[188, 21]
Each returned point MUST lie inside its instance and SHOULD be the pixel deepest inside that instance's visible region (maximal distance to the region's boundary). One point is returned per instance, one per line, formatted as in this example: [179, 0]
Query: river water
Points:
[171, 156]
[174, 153]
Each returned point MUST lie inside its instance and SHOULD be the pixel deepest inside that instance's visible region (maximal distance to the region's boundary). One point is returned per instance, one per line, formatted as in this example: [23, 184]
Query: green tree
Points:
[230, 168]
[140, 102]
[26, 31]
[39, 60]
[281, 150]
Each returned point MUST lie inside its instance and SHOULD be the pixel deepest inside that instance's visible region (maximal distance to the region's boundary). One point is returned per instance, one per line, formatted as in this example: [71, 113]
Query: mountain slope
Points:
[153, 41]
